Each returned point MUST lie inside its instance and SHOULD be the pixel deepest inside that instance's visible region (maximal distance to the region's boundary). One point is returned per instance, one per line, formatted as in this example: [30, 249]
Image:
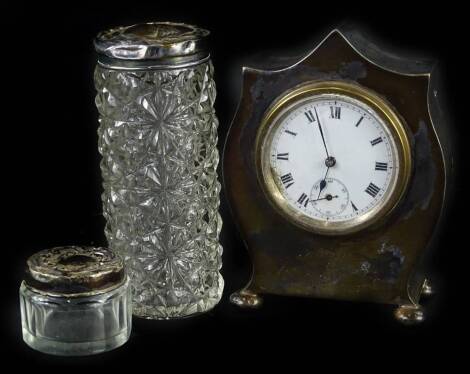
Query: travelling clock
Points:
[335, 169]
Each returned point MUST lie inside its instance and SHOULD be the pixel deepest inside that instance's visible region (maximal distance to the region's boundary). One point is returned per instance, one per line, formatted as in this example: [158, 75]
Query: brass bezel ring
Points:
[379, 107]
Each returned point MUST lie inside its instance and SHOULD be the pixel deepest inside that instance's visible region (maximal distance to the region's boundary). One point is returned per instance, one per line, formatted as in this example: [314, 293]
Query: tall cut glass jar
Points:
[157, 138]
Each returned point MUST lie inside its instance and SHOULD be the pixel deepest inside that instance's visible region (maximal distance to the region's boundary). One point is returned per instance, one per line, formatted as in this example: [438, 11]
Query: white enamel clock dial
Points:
[334, 160]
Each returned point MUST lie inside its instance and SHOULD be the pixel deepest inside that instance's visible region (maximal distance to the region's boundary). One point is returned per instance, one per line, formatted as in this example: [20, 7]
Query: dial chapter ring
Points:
[380, 107]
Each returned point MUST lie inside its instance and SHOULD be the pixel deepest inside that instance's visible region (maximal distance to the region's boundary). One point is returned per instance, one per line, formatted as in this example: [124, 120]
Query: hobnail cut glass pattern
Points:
[76, 326]
[157, 138]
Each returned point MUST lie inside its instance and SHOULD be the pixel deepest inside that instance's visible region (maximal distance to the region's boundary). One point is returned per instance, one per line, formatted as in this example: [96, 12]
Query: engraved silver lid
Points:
[74, 271]
[152, 45]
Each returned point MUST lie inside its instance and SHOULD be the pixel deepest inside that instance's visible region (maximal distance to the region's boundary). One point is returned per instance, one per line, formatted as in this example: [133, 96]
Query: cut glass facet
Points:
[157, 138]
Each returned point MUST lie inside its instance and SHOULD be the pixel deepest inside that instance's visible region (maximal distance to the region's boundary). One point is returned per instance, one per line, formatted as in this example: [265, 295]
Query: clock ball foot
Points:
[409, 314]
[246, 299]
[427, 290]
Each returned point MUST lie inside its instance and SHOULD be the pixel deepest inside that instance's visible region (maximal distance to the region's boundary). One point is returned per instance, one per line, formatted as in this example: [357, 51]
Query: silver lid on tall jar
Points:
[152, 45]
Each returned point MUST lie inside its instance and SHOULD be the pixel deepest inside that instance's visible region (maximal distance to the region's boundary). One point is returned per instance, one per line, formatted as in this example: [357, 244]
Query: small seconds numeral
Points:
[372, 189]
[287, 179]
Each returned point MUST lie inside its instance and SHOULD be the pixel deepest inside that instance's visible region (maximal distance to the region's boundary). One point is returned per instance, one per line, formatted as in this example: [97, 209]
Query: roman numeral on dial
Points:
[382, 166]
[287, 179]
[303, 200]
[354, 207]
[376, 141]
[283, 156]
[309, 116]
[335, 112]
[372, 189]
[291, 133]
[359, 122]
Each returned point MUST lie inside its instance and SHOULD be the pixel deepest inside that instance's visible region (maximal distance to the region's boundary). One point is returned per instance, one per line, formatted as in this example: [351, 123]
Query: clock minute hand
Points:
[330, 161]
[327, 197]
[321, 132]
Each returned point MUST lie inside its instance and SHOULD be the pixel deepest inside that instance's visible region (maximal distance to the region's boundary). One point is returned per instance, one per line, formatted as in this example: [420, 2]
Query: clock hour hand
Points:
[323, 183]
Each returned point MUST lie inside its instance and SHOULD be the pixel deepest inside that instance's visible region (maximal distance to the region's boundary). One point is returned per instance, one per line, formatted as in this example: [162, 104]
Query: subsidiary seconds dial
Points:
[334, 160]
[329, 196]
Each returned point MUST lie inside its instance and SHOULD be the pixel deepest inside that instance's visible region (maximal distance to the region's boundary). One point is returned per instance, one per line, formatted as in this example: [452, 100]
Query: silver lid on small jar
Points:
[74, 271]
[152, 45]
[75, 301]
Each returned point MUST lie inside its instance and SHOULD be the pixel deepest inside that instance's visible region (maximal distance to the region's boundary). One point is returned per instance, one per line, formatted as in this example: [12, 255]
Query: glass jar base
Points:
[178, 312]
[76, 326]
[61, 348]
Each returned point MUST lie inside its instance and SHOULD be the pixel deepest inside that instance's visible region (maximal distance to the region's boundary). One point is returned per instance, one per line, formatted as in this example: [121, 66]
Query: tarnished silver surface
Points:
[75, 301]
[152, 45]
[74, 270]
[387, 264]
[409, 314]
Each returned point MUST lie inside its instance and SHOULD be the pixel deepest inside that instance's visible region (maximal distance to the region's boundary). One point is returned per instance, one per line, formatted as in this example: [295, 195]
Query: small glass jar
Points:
[75, 301]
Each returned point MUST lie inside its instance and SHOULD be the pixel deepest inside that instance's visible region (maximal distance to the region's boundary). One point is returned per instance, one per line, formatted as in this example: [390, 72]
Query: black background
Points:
[51, 182]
